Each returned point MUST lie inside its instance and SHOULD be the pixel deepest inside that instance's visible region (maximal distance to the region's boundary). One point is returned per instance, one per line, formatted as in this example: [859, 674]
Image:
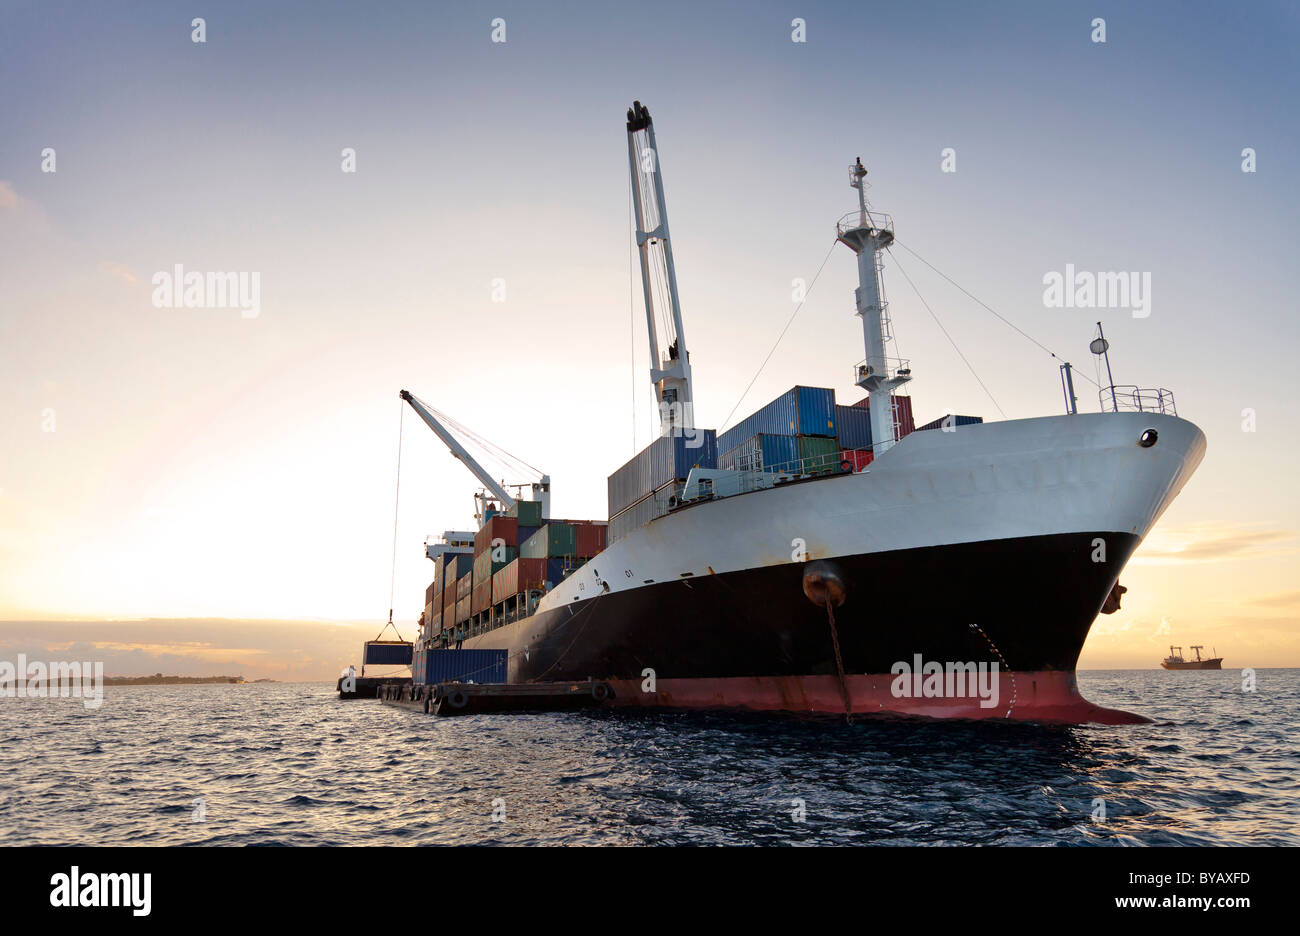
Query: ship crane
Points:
[670, 366]
[495, 490]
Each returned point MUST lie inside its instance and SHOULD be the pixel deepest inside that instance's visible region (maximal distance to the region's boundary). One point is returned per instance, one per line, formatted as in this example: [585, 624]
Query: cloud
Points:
[1201, 545]
[118, 271]
[1289, 599]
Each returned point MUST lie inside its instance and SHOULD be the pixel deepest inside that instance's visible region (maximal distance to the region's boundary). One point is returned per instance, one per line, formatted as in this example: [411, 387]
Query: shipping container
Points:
[524, 533]
[528, 513]
[557, 538]
[476, 666]
[500, 527]
[761, 452]
[855, 426]
[388, 653]
[904, 421]
[953, 421]
[481, 597]
[487, 564]
[518, 576]
[642, 512]
[818, 454]
[666, 459]
[463, 585]
[858, 458]
[449, 604]
[589, 539]
[799, 411]
[462, 610]
[557, 570]
[455, 566]
[434, 625]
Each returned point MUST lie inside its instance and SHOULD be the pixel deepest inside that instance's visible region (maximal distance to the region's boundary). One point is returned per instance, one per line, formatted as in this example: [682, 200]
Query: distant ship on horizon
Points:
[1175, 659]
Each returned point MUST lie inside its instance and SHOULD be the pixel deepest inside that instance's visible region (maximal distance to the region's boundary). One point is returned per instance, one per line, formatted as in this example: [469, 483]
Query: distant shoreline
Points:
[160, 680]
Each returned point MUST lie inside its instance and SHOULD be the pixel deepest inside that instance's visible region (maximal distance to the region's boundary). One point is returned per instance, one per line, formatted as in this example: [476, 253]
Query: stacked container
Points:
[528, 513]
[761, 452]
[518, 576]
[464, 589]
[855, 426]
[800, 411]
[818, 455]
[498, 527]
[553, 540]
[666, 459]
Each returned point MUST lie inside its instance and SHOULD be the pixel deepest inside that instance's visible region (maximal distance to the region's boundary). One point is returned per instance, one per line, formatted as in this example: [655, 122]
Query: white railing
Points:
[868, 219]
[1137, 399]
[894, 367]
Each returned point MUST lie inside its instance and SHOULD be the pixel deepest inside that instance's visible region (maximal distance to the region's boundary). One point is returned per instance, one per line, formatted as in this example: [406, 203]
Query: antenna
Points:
[1101, 347]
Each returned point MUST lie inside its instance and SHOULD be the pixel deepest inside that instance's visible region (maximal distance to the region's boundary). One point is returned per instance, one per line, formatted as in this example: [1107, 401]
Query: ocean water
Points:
[289, 764]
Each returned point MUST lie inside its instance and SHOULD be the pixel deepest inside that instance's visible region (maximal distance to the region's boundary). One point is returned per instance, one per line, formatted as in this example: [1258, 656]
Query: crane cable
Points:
[788, 323]
[981, 302]
[968, 364]
[397, 499]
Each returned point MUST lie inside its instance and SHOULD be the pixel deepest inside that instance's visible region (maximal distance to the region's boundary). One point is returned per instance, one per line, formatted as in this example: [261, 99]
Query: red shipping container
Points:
[499, 527]
[858, 458]
[590, 539]
[481, 599]
[520, 575]
[448, 603]
[904, 421]
[462, 610]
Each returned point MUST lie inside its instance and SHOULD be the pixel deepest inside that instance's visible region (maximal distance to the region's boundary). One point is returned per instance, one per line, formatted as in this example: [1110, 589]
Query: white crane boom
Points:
[458, 450]
[670, 366]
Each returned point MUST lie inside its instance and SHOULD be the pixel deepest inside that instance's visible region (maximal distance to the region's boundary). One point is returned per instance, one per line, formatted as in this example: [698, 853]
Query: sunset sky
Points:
[233, 476]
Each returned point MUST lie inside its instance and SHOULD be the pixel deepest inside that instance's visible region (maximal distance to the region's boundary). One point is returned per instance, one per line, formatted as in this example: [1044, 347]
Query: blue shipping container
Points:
[799, 411]
[479, 666]
[666, 459]
[854, 424]
[956, 421]
[762, 451]
[387, 653]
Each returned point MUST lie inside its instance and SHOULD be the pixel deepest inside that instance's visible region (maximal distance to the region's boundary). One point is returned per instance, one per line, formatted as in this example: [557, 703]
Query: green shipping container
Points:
[529, 513]
[553, 541]
[819, 454]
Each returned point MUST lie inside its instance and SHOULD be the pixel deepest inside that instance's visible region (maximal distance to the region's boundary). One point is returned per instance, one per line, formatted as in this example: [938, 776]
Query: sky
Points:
[215, 475]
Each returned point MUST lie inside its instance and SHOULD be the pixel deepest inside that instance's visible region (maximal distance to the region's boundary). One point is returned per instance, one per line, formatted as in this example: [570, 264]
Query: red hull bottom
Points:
[1044, 696]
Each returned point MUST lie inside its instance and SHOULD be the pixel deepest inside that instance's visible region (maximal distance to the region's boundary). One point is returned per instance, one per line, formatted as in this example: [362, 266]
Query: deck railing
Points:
[1129, 399]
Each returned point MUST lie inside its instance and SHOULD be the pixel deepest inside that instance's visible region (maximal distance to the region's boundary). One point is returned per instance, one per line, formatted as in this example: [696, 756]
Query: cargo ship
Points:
[1175, 659]
[820, 556]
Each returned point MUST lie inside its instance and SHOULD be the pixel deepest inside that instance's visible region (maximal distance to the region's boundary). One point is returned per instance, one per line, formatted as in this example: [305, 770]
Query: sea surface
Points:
[289, 764]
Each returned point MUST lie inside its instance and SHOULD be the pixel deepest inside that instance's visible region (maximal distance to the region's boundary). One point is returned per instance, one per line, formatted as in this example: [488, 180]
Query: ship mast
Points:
[670, 368]
[867, 233]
